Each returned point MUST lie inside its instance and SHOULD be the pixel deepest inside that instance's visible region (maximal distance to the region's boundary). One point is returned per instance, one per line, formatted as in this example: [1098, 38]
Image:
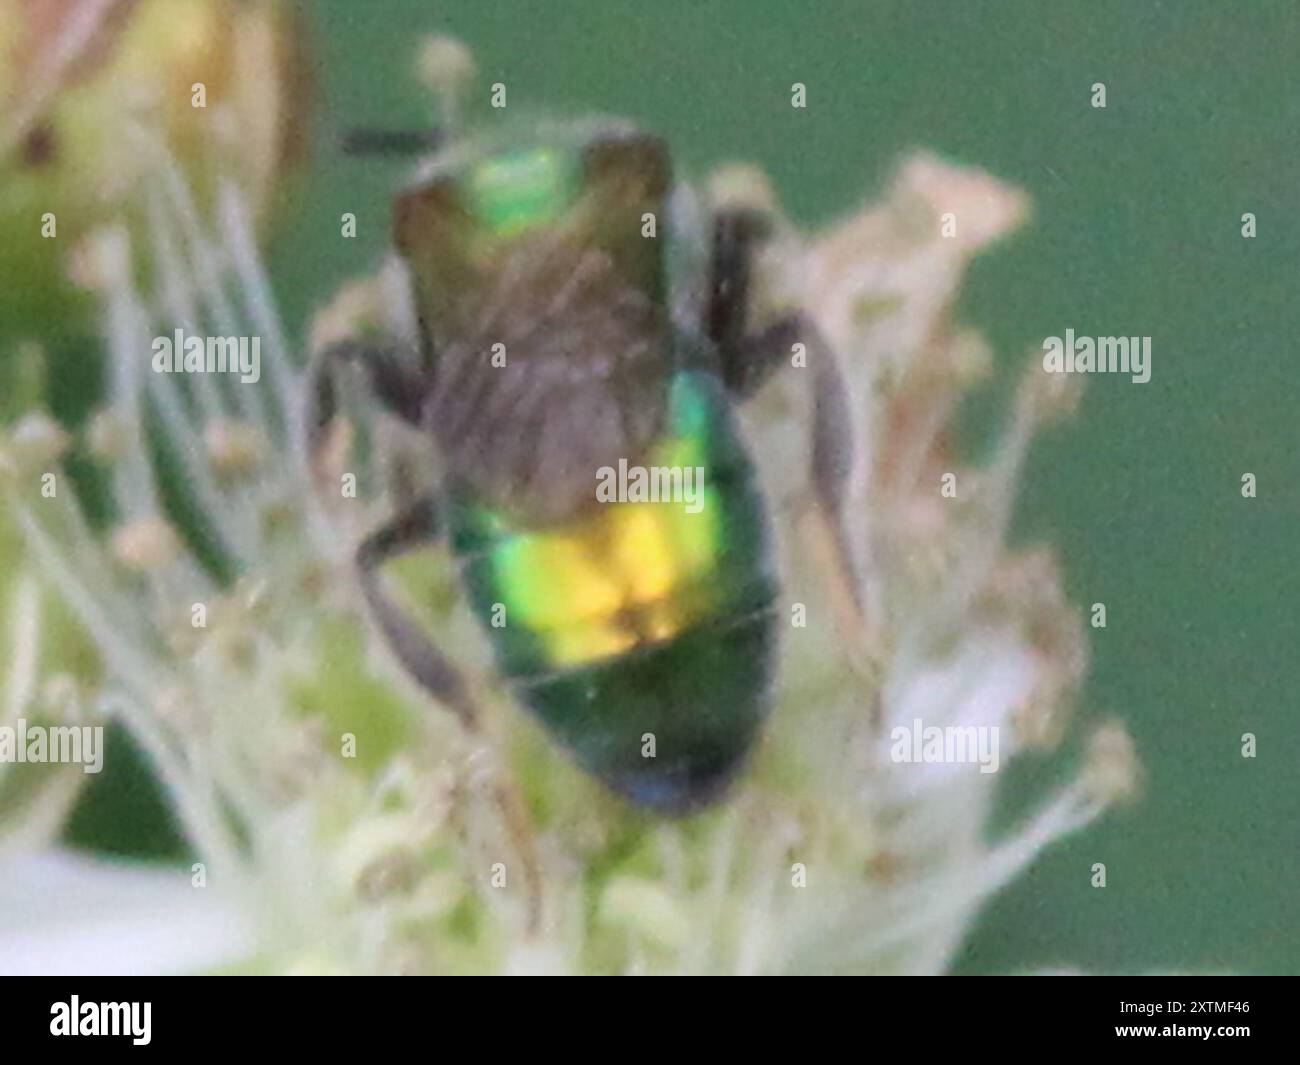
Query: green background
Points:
[1136, 231]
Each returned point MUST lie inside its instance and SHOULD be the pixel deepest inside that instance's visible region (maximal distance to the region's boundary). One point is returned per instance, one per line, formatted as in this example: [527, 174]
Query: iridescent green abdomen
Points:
[640, 618]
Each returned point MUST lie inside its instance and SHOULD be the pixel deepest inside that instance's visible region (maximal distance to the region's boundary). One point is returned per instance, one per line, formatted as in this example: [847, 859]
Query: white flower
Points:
[830, 857]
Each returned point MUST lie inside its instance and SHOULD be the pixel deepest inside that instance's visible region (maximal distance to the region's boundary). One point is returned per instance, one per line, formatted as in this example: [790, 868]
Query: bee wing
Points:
[434, 232]
[628, 178]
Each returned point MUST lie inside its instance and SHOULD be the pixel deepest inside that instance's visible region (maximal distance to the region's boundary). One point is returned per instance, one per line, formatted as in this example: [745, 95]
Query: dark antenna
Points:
[391, 141]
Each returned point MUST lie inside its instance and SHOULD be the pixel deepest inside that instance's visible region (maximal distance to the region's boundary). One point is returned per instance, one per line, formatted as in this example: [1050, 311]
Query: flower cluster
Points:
[339, 821]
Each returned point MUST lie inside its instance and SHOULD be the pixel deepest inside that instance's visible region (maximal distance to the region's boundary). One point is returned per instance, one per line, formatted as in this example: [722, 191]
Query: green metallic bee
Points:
[558, 339]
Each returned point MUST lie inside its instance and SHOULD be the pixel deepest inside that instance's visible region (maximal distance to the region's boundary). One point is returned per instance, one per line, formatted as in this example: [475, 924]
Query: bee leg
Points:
[399, 386]
[736, 233]
[416, 527]
[832, 452]
[755, 357]
[748, 359]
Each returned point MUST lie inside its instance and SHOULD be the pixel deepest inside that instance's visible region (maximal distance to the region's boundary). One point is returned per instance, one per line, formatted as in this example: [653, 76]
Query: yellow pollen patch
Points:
[627, 574]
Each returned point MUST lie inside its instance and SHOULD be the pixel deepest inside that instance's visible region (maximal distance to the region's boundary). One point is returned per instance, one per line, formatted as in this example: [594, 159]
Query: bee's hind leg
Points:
[399, 386]
[748, 359]
[419, 526]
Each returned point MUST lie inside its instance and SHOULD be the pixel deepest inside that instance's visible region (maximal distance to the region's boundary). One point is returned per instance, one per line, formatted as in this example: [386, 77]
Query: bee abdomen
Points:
[642, 616]
[670, 726]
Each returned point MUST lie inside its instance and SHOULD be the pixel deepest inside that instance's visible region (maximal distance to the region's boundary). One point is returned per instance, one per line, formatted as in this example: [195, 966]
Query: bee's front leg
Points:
[399, 385]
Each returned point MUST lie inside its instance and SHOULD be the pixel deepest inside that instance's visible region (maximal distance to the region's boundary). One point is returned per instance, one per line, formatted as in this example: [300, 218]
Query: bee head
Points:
[517, 190]
[472, 209]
